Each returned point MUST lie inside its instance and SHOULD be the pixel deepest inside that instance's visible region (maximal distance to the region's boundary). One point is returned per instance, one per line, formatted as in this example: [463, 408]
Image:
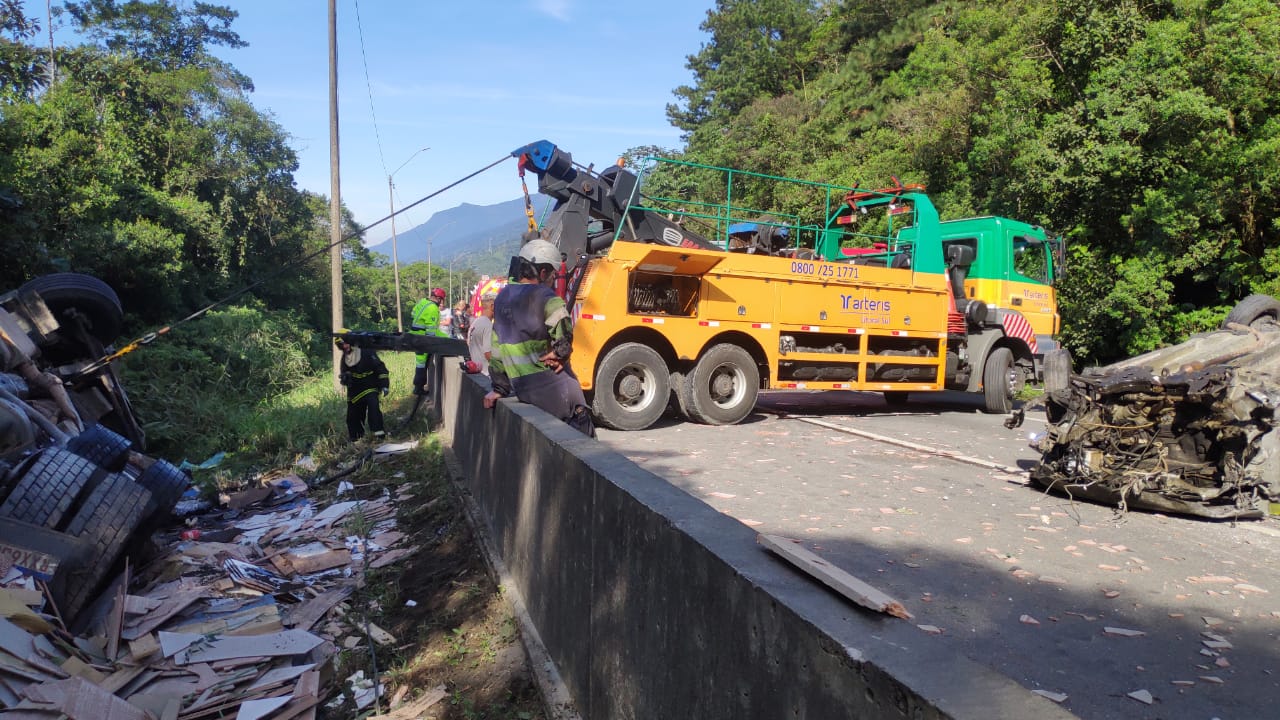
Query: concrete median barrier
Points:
[654, 605]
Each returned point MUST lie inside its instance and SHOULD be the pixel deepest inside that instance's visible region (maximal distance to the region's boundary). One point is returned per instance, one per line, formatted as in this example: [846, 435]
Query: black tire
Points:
[48, 488]
[632, 387]
[166, 483]
[723, 386]
[106, 520]
[102, 447]
[895, 398]
[680, 391]
[997, 382]
[1253, 311]
[86, 295]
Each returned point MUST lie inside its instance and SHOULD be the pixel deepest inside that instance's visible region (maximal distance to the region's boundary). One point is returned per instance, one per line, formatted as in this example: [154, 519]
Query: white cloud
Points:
[558, 9]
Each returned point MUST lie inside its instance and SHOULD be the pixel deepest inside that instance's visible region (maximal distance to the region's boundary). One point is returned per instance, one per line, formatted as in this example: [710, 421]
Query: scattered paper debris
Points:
[931, 629]
[1028, 620]
[1123, 632]
[1142, 696]
[1054, 696]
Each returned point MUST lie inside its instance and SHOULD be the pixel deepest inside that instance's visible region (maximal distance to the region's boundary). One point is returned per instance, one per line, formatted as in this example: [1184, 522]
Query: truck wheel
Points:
[997, 381]
[84, 294]
[101, 447]
[632, 387]
[1254, 311]
[106, 520]
[723, 386]
[48, 488]
[680, 390]
[166, 483]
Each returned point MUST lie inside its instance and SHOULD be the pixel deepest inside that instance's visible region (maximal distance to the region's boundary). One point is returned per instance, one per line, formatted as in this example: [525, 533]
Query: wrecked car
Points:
[1186, 429]
[75, 488]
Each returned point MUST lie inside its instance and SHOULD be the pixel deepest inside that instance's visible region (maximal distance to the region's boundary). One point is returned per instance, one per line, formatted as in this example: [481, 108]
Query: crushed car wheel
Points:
[723, 385]
[102, 447]
[632, 387]
[997, 382]
[85, 295]
[1253, 310]
[107, 518]
[48, 488]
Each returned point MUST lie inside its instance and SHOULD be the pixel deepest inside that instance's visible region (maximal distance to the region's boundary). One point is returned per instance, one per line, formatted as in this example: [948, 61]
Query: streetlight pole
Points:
[395, 255]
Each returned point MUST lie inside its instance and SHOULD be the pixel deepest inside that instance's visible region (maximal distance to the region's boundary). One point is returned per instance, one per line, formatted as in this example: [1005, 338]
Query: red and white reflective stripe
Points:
[794, 385]
[592, 316]
[761, 326]
[1017, 326]
[709, 323]
[899, 333]
[811, 328]
[653, 321]
[857, 331]
[840, 386]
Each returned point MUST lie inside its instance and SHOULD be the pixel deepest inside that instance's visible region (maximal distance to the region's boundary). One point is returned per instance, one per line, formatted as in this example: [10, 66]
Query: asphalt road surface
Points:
[929, 502]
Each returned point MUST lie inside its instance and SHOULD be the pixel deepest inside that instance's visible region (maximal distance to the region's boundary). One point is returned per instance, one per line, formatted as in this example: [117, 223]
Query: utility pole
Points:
[53, 59]
[395, 255]
[335, 193]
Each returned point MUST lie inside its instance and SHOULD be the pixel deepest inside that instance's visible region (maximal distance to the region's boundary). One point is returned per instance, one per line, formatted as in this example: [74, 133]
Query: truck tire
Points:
[166, 483]
[997, 381]
[107, 518]
[48, 488]
[1253, 311]
[723, 386]
[102, 447]
[680, 390]
[86, 295]
[632, 387]
[895, 398]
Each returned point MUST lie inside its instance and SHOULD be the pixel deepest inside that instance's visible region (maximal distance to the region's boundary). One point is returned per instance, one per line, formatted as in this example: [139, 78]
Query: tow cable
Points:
[151, 337]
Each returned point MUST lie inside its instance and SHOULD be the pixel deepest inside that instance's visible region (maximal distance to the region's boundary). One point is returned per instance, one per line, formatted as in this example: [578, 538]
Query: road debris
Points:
[1054, 696]
[245, 626]
[833, 577]
[1142, 696]
[1187, 429]
[1122, 632]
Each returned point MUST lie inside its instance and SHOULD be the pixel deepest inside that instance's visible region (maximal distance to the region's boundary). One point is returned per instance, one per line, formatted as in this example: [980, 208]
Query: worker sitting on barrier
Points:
[533, 338]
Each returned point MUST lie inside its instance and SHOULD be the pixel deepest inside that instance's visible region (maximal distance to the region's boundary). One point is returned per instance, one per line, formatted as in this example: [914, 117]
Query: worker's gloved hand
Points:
[344, 377]
[385, 391]
[472, 367]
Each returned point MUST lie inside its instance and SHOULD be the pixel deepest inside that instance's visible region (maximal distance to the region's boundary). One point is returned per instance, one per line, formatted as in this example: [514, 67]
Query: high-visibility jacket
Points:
[529, 320]
[363, 372]
[425, 320]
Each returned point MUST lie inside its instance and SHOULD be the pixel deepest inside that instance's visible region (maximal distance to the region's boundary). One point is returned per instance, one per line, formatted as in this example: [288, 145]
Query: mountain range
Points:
[480, 237]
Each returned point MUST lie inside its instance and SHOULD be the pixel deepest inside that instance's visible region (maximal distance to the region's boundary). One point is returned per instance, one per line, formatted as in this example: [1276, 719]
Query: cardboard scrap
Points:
[80, 699]
[288, 642]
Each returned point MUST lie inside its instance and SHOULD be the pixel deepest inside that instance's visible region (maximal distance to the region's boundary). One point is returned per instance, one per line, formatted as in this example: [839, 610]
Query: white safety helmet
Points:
[540, 252]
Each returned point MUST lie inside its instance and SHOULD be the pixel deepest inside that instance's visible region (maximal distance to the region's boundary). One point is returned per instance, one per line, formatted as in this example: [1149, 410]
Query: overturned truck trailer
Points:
[1190, 428]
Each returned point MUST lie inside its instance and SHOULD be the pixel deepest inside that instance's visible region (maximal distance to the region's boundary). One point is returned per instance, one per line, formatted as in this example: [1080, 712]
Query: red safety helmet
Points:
[437, 294]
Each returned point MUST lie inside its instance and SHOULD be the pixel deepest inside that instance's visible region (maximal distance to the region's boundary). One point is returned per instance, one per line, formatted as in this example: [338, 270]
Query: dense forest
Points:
[1145, 133]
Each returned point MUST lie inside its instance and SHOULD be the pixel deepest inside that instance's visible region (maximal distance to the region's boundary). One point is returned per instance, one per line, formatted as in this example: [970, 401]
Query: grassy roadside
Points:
[455, 638]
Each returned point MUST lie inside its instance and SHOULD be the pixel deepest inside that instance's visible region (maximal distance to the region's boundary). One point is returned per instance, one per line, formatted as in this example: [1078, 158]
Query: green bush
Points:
[198, 389]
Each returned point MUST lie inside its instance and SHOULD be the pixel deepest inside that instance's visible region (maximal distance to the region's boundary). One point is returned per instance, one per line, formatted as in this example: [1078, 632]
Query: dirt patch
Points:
[455, 636]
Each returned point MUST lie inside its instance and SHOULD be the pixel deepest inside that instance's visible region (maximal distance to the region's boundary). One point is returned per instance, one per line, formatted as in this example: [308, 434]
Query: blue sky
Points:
[470, 80]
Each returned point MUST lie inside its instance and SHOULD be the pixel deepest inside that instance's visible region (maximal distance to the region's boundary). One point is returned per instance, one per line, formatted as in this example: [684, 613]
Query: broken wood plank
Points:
[833, 577]
[16, 611]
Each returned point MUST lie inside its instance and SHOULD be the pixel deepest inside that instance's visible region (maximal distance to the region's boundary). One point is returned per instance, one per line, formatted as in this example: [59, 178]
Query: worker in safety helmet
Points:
[425, 320]
[365, 376]
[532, 340]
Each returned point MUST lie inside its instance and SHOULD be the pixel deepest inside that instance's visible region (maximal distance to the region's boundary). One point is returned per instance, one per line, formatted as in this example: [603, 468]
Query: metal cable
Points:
[152, 336]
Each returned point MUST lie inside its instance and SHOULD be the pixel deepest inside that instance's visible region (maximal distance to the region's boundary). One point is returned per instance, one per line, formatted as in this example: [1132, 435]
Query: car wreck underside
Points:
[1186, 429]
